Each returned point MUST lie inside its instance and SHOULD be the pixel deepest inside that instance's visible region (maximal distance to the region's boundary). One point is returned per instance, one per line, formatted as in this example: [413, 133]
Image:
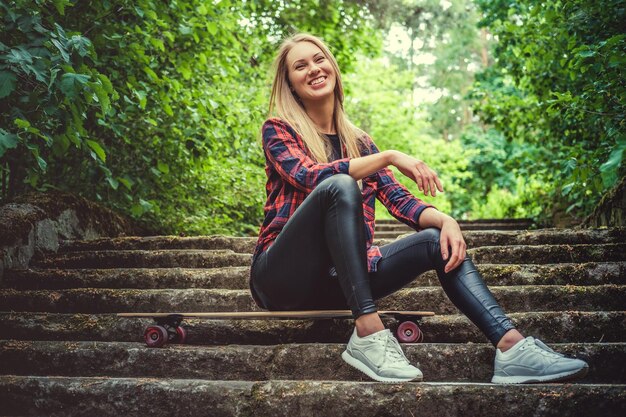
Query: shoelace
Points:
[393, 352]
[536, 346]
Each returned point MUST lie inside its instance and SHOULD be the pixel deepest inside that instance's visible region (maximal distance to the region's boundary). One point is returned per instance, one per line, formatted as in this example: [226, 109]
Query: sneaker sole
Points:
[355, 363]
[562, 377]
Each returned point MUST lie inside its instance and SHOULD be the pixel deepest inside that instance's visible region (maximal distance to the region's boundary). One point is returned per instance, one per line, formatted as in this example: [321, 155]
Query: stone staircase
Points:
[64, 351]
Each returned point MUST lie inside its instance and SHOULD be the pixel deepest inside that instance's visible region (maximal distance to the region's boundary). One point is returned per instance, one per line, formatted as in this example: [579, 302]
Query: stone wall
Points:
[38, 222]
[611, 210]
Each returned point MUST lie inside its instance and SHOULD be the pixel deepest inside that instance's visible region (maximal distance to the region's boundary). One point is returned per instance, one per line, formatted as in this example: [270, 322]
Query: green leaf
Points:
[64, 54]
[163, 167]
[567, 188]
[211, 27]
[102, 96]
[7, 141]
[113, 182]
[70, 83]
[151, 73]
[60, 6]
[587, 53]
[158, 43]
[106, 83]
[21, 123]
[7, 83]
[95, 146]
[43, 165]
[125, 182]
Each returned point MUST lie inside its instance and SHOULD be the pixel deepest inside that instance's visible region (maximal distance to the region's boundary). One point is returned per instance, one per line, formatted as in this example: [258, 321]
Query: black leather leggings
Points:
[328, 229]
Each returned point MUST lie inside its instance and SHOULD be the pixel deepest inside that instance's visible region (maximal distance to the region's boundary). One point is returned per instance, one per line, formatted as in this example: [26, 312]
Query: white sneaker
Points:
[530, 360]
[380, 357]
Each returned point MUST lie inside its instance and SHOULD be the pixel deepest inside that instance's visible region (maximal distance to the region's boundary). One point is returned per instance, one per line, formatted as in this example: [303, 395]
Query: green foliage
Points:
[558, 83]
[153, 107]
[49, 83]
[381, 105]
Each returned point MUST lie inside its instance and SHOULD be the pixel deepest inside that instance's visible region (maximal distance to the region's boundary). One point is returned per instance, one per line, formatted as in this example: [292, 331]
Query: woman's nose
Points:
[314, 69]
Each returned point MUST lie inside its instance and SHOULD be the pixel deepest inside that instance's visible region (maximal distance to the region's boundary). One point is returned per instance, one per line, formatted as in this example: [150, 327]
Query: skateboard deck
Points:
[169, 327]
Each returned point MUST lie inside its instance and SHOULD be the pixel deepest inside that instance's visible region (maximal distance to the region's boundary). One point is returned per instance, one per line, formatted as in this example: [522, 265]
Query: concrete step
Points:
[236, 244]
[246, 244]
[105, 396]
[545, 254]
[311, 361]
[236, 277]
[477, 221]
[551, 327]
[195, 258]
[491, 226]
[395, 230]
[170, 258]
[103, 300]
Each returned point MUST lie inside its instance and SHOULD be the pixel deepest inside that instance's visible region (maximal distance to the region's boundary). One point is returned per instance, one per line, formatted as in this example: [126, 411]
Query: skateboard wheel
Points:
[155, 336]
[409, 332]
[181, 335]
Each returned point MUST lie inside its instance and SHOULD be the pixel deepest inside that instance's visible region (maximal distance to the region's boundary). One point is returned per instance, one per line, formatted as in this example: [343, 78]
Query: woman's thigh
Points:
[287, 275]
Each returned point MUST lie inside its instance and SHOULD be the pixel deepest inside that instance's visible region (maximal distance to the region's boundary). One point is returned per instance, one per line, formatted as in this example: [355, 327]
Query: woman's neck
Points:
[322, 114]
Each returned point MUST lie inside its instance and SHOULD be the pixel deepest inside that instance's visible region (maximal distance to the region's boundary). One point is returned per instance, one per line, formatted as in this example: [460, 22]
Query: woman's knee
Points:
[341, 186]
[431, 234]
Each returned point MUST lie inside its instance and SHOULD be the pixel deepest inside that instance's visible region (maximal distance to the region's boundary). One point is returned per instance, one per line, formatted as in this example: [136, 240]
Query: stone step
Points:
[590, 273]
[104, 300]
[312, 361]
[477, 221]
[246, 244]
[91, 300]
[551, 327]
[491, 226]
[236, 244]
[105, 396]
[195, 258]
[170, 258]
[545, 254]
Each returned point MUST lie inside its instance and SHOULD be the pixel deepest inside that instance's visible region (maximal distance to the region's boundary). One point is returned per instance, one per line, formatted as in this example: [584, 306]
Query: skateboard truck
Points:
[168, 329]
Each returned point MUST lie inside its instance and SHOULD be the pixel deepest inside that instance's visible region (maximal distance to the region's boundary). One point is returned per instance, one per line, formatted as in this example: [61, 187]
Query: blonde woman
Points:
[315, 246]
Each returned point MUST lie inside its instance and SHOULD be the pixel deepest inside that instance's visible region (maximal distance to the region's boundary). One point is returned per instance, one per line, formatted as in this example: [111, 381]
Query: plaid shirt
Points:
[292, 174]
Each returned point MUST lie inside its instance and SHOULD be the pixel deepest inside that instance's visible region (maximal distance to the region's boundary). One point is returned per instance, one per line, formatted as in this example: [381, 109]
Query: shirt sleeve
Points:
[398, 200]
[286, 153]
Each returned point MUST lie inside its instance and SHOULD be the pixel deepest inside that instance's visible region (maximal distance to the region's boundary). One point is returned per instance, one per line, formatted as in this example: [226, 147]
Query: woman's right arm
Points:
[425, 178]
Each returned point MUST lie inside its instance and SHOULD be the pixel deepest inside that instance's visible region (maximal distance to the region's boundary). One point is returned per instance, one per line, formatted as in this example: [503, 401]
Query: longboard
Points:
[168, 327]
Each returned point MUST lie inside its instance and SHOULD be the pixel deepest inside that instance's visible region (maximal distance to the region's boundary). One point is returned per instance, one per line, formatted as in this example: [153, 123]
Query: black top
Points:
[334, 140]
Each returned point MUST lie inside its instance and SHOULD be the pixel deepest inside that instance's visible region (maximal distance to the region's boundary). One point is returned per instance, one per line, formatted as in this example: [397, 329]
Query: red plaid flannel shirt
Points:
[292, 174]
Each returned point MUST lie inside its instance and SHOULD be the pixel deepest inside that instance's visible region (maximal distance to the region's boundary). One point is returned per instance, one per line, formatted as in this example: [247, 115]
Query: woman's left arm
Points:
[451, 239]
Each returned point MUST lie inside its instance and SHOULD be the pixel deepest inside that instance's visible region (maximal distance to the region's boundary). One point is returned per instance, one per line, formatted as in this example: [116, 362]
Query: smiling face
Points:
[311, 73]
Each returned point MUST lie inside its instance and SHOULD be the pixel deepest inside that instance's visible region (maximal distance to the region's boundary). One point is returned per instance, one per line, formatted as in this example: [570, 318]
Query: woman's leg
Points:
[326, 229]
[405, 259]
[525, 359]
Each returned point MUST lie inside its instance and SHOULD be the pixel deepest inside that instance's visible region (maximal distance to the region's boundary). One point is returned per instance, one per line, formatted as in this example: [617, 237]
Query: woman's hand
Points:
[425, 178]
[451, 238]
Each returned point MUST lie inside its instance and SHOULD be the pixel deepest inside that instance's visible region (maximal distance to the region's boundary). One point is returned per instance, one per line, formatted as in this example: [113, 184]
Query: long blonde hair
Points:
[285, 105]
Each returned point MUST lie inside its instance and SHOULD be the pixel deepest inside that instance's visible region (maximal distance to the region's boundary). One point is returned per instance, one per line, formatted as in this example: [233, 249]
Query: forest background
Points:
[154, 107]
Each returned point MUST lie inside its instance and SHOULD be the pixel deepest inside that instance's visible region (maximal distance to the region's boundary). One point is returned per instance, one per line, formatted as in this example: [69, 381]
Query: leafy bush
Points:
[557, 83]
[153, 107]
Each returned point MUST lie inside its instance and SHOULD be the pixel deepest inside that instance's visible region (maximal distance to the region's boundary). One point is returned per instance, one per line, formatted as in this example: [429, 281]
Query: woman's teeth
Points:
[318, 80]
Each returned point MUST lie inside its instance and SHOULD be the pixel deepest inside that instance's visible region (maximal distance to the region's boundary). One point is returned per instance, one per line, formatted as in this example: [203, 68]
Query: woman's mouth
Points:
[317, 81]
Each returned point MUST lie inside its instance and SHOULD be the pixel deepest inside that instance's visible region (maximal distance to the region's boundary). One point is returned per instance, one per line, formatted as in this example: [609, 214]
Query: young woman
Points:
[315, 246]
